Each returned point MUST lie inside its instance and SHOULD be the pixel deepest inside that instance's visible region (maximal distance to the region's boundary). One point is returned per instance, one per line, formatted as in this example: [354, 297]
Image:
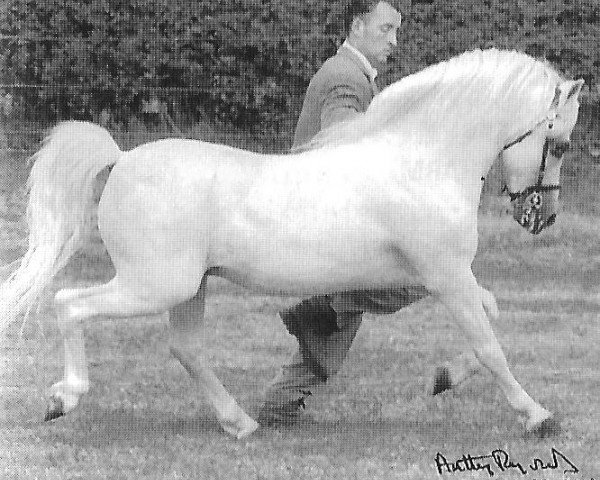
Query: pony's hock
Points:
[387, 199]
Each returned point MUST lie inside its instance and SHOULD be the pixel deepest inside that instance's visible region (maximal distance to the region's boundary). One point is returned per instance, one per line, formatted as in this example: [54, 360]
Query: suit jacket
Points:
[339, 89]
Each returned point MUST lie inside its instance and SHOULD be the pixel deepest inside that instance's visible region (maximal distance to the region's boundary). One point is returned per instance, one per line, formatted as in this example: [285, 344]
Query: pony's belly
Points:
[313, 282]
[280, 266]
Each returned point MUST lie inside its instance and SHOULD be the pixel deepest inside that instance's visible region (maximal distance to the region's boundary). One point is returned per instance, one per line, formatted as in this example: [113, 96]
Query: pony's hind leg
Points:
[186, 320]
[455, 372]
[72, 307]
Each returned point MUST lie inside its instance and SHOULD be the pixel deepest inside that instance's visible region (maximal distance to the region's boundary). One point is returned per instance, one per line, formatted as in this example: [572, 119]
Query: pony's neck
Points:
[468, 108]
[464, 142]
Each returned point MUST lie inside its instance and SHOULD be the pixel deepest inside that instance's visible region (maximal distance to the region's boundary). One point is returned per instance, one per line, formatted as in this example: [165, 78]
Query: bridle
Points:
[557, 151]
[532, 207]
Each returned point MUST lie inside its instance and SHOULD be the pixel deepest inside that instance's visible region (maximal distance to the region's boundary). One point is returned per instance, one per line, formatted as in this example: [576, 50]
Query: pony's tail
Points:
[59, 212]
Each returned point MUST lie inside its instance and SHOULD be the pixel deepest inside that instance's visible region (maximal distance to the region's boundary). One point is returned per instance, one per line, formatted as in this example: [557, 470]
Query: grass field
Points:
[143, 420]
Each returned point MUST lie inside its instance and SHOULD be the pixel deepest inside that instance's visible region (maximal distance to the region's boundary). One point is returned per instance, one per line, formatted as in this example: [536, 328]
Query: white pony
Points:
[391, 200]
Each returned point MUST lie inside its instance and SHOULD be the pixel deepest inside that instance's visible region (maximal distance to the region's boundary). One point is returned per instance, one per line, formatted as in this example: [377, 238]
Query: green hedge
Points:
[247, 63]
[566, 32]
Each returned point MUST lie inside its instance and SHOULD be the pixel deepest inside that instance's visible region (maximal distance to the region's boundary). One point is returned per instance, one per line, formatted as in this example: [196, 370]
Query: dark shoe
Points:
[271, 416]
[288, 413]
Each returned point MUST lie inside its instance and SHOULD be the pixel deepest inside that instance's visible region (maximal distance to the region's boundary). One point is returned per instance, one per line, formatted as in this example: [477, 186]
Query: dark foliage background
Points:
[242, 62]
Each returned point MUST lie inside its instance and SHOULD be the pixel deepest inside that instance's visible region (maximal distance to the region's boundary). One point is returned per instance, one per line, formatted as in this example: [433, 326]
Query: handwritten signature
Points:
[500, 461]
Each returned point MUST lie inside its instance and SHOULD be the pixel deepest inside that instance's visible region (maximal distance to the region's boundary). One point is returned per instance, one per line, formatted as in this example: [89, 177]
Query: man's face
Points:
[375, 35]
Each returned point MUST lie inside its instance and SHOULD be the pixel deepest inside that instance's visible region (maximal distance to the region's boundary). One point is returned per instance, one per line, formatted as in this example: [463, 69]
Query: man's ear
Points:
[357, 26]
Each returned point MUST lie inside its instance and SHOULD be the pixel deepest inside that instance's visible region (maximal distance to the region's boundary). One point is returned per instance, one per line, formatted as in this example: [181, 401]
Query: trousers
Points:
[325, 327]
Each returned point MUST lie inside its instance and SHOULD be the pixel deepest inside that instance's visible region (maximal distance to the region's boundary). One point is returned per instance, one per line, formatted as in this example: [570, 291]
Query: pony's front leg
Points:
[463, 297]
[465, 365]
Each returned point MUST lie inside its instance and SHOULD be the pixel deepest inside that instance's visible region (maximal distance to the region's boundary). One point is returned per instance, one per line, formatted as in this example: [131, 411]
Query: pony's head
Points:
[533, 159]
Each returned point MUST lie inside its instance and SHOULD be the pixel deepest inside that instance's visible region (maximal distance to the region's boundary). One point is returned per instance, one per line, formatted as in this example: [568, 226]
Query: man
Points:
[325, 326]
[345, 83]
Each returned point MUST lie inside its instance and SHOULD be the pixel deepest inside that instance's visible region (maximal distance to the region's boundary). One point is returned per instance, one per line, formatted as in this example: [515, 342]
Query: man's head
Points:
[373, 28]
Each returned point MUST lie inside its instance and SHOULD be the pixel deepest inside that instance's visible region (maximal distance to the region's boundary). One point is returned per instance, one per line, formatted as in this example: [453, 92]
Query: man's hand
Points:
[342, 103]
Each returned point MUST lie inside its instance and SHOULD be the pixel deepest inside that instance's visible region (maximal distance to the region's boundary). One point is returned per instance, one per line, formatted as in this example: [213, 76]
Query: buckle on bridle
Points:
[529, 203]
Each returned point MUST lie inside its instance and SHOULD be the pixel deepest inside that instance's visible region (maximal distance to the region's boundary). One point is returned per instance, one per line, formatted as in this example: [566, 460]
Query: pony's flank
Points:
[506, 78]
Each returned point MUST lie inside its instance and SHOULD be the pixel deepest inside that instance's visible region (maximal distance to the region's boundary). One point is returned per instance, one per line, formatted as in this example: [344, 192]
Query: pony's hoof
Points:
[55, 409]
[240, 429]
[250, 427]
[441, 381]
[547, 428]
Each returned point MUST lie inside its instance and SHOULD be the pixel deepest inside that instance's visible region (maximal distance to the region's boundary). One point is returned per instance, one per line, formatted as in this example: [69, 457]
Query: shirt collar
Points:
[371, 72]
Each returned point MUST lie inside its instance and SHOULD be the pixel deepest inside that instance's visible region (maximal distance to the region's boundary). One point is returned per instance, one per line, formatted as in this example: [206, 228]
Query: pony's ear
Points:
[570, 89]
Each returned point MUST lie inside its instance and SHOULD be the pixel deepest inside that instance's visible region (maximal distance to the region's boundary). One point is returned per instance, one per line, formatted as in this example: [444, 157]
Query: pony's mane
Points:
[504, 72]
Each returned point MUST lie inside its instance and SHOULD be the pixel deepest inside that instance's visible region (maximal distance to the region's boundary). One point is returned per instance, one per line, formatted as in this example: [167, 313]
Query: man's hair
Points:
[352, 9]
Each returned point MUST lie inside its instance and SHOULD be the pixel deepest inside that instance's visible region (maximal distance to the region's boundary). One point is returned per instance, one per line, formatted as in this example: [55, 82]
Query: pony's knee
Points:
[490, 355]
[489, 304]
